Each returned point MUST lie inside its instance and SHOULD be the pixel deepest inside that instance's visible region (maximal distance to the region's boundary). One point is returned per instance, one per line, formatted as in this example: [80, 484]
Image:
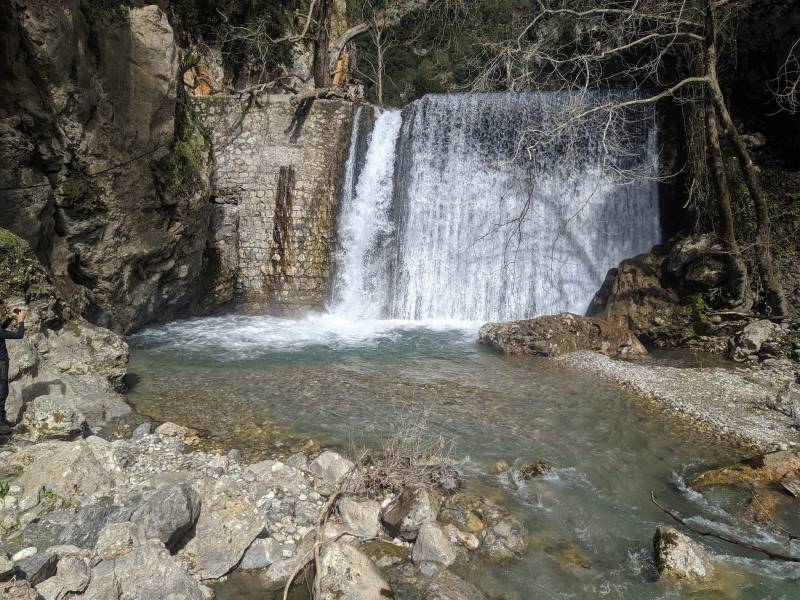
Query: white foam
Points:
[234, 337]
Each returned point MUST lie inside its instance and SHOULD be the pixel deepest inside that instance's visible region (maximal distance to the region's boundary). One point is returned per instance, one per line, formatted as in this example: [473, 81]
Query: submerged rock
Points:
[501, 534]
[347, 574]
[568, 554]
[552, 335]
[384, 554]
[765, 468]
[760, 508]
[414, 507]
[679, 556]
[532, 470]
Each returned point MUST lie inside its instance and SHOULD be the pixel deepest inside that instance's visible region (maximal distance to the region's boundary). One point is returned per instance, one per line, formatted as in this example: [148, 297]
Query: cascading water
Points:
[364, 226]
[441, 218]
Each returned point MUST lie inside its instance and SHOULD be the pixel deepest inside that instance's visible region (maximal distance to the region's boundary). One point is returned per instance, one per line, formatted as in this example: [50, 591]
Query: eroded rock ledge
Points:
[552, 335]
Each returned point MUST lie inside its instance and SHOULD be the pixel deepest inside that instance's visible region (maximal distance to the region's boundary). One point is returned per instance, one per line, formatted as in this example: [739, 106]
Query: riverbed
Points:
[248, 382]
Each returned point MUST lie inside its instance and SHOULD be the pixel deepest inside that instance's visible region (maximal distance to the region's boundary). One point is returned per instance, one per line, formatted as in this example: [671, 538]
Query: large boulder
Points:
[67, 470]
[147, 571]
[679, 556]
[53, 417]
[347, 574]
[557, 334]
[748, 342]
[229, 522]
[168, 514]
[414, 507]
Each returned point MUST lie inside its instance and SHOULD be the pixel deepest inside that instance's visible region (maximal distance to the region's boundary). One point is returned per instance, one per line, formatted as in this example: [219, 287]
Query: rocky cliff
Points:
[94, 173]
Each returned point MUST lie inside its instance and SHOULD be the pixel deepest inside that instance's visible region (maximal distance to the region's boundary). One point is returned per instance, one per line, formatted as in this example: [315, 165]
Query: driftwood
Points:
[326, 92]
[769, 553]
[313, 555]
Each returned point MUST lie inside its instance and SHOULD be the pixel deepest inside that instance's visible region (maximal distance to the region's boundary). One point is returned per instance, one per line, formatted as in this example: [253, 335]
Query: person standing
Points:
[8, 335]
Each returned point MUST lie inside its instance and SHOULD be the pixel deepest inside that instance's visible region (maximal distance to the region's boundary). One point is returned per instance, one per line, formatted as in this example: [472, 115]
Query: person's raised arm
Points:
[19, 333]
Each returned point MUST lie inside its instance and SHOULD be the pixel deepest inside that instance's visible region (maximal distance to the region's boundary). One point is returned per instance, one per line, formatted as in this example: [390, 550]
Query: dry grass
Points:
[411, 456]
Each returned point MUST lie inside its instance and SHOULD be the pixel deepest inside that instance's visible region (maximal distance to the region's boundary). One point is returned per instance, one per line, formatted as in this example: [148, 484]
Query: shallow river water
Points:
[247, 380]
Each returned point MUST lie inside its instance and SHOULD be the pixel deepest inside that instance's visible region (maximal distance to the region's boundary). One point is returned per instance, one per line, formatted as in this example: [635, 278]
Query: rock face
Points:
[679, 556]
[65, 373]
[557, 334]
[349, 575]
[88, 110]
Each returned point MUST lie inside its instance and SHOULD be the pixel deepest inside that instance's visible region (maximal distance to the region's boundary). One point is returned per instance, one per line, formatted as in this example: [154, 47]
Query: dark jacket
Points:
[9, 335]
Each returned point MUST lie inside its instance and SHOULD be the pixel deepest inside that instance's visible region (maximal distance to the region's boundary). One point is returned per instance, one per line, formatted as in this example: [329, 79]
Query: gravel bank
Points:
[731, 404]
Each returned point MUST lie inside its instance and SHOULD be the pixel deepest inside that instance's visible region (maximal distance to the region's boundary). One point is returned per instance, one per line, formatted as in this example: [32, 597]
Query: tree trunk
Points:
[737, 288]
[322, 72]
[775, 296]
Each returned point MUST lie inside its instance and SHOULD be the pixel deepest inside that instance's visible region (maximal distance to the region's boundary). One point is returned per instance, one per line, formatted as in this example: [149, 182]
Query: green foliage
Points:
[188, 148]
[4, 489]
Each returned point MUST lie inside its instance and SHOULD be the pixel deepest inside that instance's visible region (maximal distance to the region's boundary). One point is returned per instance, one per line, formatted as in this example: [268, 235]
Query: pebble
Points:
[24, 553]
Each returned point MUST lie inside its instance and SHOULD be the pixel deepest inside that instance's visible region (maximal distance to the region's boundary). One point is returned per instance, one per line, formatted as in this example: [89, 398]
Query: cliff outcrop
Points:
[94, 173]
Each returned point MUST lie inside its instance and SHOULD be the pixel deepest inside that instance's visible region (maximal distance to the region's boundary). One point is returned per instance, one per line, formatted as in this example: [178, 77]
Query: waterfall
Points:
[441, 218]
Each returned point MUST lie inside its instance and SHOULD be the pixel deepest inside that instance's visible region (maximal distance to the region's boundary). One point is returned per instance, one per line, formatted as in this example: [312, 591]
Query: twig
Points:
[772, 555]
[789, 534]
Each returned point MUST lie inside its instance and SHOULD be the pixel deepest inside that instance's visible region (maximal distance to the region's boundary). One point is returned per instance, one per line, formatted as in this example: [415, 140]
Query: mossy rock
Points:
[24, 280]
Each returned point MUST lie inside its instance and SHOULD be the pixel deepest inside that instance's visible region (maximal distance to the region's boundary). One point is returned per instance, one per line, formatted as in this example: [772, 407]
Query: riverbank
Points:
[742, 405]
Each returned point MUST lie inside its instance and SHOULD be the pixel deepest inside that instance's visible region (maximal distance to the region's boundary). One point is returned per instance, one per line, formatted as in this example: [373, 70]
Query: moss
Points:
[21, 275]
[189, 149]
[72, 327]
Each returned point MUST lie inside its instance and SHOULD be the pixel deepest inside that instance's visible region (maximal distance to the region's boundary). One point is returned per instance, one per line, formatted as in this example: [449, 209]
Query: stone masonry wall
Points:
[274, 197]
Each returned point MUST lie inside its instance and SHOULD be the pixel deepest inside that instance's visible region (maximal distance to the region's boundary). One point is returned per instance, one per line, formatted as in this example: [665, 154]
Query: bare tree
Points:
[372, 67]
[786, 86]
[666, 50]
